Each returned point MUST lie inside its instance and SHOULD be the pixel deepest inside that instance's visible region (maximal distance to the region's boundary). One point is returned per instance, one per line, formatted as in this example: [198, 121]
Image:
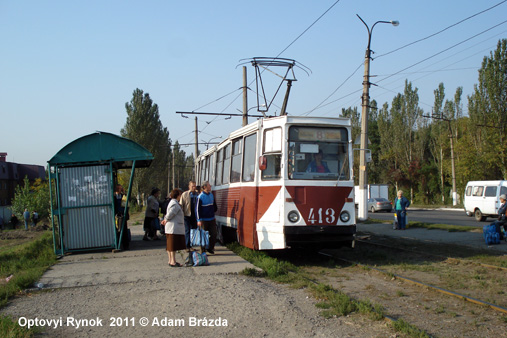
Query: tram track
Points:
[422, 284]
[467, 261]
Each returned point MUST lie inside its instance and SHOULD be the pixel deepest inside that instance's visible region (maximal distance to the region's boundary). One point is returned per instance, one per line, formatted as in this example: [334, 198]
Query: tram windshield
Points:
[318, 153]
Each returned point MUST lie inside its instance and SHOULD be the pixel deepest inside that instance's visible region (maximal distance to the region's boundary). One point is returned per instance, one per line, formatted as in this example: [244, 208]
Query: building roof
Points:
[102, 147]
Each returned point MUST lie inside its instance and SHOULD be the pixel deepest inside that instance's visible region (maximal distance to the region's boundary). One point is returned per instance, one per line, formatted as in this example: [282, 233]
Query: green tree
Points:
[487, 108]
[33, 197]
[143, 126]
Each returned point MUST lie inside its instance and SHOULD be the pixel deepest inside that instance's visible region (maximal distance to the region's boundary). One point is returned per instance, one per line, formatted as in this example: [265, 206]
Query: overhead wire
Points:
[285, 49]
[402, 47]
[441, 31]
[444, 50]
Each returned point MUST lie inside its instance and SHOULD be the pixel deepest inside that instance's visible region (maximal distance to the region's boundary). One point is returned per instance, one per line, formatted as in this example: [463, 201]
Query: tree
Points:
[487, 108]
[143, 126]
[33, 198]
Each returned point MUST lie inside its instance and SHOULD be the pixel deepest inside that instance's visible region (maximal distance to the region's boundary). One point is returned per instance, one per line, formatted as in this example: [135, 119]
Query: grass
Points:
[429, 226]
[26, 263]
[333, 302]
[9, 328]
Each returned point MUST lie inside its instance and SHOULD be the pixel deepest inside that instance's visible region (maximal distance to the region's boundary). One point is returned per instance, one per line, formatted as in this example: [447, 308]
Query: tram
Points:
[284, 182]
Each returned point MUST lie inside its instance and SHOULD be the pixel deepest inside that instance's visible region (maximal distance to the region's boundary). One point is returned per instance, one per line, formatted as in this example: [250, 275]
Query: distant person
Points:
[174, 227]
[205, 214]
[317, 165]
[35, 218]
[152, 204]
[189, 203]
[502, 216]
[119, 211]
[14, 221]
[401, 203]
[163, 210]
[26, 218]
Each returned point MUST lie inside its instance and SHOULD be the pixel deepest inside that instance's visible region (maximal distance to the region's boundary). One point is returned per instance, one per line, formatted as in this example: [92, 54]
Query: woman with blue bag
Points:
[174, 227]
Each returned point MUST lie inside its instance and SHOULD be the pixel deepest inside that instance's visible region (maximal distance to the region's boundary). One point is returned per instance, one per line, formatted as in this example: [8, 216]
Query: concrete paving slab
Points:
[145, 262]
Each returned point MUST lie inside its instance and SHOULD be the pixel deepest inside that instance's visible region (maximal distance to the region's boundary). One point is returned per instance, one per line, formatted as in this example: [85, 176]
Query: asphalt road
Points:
[449, 216]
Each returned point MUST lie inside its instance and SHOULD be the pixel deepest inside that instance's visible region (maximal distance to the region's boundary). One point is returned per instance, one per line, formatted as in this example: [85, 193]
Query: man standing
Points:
[26, 217]
[401, 203]
[189, 203]
[205, 213]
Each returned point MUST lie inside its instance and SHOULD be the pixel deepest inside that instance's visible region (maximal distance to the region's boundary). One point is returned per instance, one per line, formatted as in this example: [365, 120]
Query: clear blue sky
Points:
[68, 67]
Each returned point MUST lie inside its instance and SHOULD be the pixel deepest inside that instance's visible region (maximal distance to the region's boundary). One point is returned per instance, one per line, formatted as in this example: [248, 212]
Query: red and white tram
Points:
[284, 182]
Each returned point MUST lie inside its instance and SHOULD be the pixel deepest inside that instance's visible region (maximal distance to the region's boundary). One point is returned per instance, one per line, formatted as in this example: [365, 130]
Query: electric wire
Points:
[402, 47]
[284, 50]
[444, 50]
[441, 31]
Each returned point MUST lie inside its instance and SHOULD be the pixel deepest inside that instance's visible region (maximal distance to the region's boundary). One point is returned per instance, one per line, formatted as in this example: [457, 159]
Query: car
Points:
[379, 204]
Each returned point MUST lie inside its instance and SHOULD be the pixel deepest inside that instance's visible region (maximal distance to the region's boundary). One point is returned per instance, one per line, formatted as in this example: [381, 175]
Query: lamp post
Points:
[365, 103]
[209, 142]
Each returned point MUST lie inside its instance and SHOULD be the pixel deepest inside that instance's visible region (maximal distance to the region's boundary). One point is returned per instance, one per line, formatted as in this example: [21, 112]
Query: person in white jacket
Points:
[174, 227]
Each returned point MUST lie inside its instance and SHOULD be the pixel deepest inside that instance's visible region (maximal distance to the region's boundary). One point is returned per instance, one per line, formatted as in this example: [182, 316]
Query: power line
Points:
[320, 105]
[290, 44]
[443, 30]
[442, 51]
[308, 28]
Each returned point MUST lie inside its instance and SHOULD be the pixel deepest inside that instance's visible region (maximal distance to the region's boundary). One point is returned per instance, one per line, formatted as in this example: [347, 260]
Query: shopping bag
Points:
[199, 258]
[199, 237]
[156, 223]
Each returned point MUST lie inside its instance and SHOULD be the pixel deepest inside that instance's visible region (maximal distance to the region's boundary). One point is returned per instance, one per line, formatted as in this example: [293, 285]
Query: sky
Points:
[67, 68]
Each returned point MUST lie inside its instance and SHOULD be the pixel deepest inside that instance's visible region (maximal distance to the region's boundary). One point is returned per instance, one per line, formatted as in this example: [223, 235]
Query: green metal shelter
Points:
[83, 176]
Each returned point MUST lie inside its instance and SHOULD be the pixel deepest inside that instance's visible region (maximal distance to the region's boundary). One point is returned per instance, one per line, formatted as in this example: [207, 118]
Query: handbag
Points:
[156, 223]
[199, 237]
[199, 259]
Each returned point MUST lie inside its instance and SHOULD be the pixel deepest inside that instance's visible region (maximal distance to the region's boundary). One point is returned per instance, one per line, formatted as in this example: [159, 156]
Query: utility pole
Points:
[174, 183]
[365, 103]
[245, 98]
[196, 148]
[169, 175]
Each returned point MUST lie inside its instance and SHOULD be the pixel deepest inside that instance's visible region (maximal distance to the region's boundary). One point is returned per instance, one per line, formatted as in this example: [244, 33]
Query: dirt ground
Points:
[115, 294]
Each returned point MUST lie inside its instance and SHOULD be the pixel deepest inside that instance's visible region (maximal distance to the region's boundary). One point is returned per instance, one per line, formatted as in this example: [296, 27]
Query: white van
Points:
[482, 198]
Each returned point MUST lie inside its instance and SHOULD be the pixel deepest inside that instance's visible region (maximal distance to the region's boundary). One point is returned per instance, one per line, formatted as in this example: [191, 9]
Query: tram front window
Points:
[318, 153]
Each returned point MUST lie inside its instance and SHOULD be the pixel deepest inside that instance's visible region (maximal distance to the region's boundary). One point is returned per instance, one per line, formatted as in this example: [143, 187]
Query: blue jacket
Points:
[405, 203]
[206, 207]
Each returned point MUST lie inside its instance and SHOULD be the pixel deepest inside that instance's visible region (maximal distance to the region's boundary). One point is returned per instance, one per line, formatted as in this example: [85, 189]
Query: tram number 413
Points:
[321, 216]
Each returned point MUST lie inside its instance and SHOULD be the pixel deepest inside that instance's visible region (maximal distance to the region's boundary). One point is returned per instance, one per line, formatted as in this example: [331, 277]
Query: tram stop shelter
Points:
[83, 176]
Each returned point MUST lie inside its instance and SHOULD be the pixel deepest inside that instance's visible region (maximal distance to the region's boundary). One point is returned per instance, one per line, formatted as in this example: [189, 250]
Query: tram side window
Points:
[272, 154]
[206, 168]
[227, 164]
[202, 169]
[220, 167]
[236, 161]
[249, 157]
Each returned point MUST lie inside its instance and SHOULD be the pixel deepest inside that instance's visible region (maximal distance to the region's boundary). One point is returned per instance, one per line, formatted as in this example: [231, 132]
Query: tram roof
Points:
[281, 120]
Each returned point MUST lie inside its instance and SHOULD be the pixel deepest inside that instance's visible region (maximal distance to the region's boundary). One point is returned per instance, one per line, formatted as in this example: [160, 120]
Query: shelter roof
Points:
[102, 147]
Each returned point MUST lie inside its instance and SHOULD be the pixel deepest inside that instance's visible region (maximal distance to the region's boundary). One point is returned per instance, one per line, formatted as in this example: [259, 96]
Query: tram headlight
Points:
[293, 216]
[345, 216]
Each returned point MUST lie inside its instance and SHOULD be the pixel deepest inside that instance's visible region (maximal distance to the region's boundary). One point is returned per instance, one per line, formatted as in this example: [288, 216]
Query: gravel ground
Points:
[176, 302]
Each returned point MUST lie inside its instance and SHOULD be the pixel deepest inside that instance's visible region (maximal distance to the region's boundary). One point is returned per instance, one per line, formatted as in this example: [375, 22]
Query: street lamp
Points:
[209, 142]
[365, 103]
